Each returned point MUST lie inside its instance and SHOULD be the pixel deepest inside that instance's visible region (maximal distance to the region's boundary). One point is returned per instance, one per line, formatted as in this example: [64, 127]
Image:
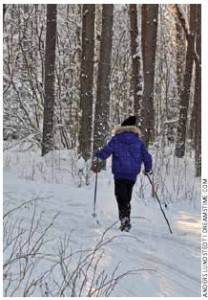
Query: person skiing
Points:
[128, 153]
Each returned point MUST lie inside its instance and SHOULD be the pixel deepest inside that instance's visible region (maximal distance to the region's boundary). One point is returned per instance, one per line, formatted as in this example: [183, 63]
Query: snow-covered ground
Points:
[158, 264]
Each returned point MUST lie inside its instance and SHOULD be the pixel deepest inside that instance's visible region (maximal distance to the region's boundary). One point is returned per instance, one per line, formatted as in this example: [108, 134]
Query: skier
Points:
[128, 153]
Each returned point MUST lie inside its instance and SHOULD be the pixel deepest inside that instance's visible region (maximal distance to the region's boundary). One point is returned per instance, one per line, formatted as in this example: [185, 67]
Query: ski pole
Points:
[95, 195]
[159, 203]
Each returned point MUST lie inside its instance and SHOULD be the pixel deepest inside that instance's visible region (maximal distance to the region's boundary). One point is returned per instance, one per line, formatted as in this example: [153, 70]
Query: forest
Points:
[74, 72]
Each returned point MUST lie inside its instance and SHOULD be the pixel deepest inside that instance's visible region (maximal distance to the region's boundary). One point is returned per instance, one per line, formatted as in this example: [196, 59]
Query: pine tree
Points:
[4, 11]
[102, 106]
[149, 41]
[185, 94]
[86, 80]
[49, 101]
[197, 95]
[136, 59]
[180, 55]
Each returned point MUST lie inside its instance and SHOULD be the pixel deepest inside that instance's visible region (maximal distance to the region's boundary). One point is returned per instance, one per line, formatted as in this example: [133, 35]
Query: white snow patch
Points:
[166, 265]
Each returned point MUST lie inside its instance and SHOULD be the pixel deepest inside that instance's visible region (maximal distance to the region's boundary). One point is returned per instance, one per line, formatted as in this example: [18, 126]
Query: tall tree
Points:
[197, 95]
[149, 41]
[4, 11]
[136, 59]
[185, 94]
[86, 80]
[49, 100]
[180, 55]
[102, 106]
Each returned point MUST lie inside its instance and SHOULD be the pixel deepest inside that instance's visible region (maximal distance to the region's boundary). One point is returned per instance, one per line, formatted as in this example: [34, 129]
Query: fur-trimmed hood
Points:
[123, 129]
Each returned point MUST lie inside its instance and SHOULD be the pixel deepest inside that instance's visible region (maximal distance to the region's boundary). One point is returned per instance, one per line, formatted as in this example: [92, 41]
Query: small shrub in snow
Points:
[30, 270]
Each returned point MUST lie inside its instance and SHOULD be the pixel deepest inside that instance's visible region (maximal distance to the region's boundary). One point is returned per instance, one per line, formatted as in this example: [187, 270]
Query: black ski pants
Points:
[123, 193]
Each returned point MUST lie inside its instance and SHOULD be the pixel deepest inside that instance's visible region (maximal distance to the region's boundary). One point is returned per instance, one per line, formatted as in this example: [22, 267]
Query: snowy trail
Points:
[169, 264]
[175, 257]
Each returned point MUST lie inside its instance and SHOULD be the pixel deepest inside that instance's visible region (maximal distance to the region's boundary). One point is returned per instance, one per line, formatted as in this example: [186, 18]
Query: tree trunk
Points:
[86, 80]
[4, 11]
[180, 56]
[185, 94]
[149, 41]
[197, 95]
[136, 59]
[49, 101]
[102, 106]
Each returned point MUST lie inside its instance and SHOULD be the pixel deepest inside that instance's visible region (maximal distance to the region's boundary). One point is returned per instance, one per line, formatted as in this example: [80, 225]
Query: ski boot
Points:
[125, 224]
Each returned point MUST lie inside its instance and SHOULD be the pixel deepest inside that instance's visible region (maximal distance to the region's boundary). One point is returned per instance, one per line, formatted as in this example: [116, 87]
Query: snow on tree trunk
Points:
[149, 41]
[86, 80]
[180, 54]
[136, 59]
[49, 101]
[102, 106]
[185, 94]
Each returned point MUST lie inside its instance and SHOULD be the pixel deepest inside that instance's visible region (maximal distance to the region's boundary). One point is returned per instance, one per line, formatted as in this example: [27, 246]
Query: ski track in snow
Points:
[172, 261]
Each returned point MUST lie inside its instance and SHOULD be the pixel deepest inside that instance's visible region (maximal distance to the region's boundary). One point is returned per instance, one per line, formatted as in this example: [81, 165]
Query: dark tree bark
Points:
[136, 59]
[185, 94]
[197, 95]
[86, 80]
[102, 106]
[149, 41]
[4, 11]
[49, 101]
[185, 28]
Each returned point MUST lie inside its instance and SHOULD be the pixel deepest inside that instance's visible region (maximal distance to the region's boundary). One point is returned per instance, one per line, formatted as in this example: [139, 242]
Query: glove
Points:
[148, 173]
[96, 165]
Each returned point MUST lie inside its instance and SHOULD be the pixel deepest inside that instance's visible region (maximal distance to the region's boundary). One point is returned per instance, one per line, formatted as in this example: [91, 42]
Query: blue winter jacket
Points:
[128, 153]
